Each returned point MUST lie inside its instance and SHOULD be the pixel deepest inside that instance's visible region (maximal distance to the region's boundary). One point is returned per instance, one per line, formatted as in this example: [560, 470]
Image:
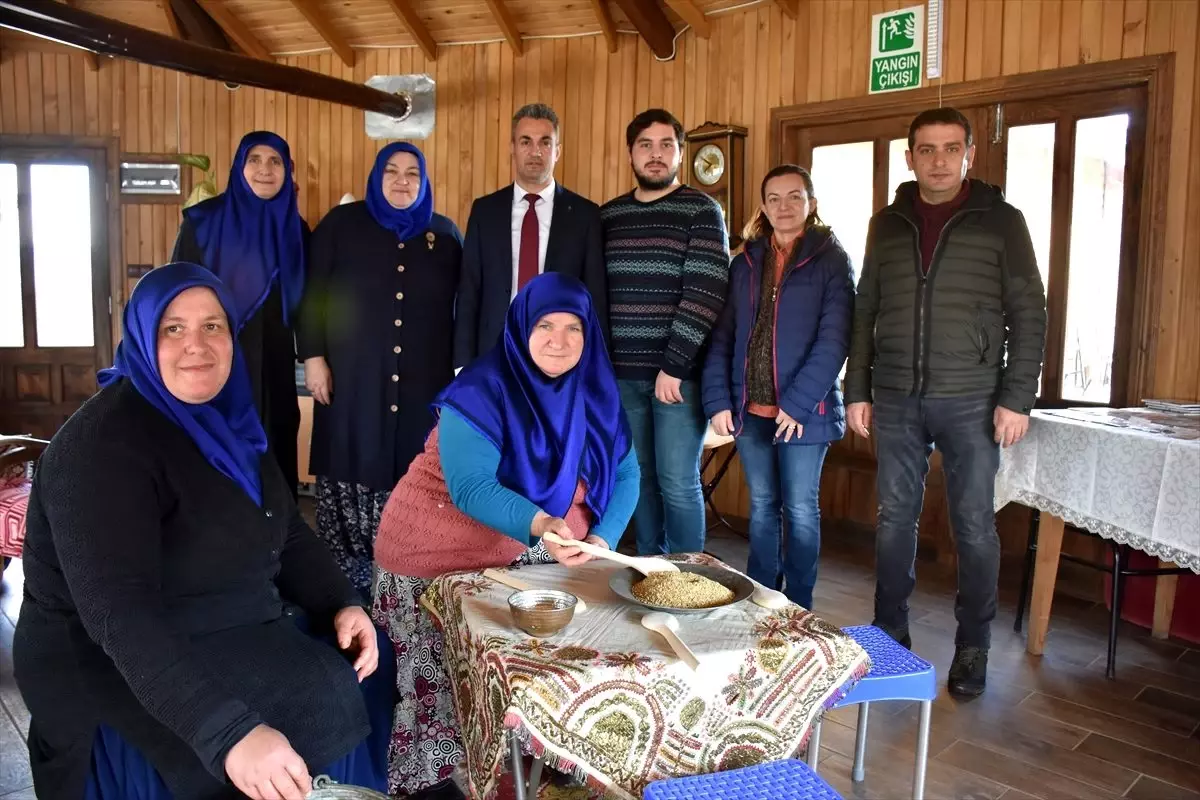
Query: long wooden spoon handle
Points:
[681, 649]
[643, 565]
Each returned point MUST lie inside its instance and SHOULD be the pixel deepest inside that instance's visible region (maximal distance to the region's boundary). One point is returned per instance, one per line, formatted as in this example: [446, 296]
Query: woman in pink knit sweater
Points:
[530, 438]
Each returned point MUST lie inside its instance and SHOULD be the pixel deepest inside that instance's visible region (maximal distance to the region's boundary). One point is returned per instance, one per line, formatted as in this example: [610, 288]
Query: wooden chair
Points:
[17, 455]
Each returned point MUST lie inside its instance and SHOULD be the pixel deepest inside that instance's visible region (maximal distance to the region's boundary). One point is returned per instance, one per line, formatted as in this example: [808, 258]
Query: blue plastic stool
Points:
[777, 780]
[896, 674]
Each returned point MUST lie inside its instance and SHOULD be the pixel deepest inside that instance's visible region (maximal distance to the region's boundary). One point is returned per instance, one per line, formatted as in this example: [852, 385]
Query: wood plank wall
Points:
[754, 60]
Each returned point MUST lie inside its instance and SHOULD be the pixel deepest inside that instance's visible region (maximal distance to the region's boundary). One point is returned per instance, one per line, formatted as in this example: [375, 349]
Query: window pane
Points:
[898, 171]
[1029, 184]
[1095, 257]
[12, 323]
[62, 254]
[843, 179]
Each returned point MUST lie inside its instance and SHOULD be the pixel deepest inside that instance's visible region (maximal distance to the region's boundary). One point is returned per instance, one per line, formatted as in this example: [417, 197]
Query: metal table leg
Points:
[535, 776]
[922, 750]
[518, 766]
[860, 744]
[814, 744]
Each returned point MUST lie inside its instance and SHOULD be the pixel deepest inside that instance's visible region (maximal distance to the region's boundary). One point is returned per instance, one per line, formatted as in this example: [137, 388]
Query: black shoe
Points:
[968, 672]
[901, 635]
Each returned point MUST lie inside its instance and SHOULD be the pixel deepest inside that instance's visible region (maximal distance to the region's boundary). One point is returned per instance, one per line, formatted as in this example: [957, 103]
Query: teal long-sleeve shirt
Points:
[470, 463]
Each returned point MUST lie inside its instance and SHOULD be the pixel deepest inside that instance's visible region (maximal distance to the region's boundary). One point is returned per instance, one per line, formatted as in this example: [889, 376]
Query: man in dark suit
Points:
[513, 235]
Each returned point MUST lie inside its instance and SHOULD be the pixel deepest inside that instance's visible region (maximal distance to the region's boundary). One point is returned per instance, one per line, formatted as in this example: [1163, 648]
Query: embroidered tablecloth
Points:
[1130, 475]
[606, 699]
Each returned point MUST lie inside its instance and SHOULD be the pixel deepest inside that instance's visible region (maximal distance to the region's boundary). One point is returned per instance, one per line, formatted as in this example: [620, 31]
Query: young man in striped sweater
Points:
[667, 257]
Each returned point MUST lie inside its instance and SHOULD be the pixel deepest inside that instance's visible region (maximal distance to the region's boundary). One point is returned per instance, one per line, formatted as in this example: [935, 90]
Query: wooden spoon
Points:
[666, 625]
[642, 565]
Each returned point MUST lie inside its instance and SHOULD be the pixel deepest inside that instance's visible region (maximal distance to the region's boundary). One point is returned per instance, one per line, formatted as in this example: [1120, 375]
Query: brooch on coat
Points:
[430, 238]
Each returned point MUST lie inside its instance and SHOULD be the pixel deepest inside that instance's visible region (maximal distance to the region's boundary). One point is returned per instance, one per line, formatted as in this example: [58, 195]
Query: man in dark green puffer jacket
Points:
[949, 327]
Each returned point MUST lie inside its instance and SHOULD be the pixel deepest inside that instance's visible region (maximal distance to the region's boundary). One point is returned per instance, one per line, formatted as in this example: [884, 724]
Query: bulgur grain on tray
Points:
[682, 590]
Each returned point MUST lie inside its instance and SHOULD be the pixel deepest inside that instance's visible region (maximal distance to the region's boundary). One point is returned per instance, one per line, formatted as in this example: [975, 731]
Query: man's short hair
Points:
[535, 111]
[650, 117]
[939, 116]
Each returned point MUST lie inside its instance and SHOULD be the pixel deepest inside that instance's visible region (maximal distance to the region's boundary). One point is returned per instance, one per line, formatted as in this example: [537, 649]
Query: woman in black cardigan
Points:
[153, 649]
[253, 238]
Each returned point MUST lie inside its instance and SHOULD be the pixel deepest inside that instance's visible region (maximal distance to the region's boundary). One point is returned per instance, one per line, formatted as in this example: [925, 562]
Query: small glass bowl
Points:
[542, 612]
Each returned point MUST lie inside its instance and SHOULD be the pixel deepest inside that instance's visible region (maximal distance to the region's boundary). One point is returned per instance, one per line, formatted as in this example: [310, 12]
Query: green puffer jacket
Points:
[976, 324]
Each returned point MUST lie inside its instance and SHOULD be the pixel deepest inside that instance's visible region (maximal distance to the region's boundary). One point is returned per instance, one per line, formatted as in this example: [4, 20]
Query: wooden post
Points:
[1164, 602]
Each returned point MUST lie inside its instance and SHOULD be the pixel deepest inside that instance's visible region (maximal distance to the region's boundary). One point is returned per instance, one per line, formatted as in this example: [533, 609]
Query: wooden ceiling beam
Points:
[416, 28]
[505, 21]
[89, 57]
[235, 29]
[604, 17]
[172, 20]
[198, 27]
[311, 9]
[788, 7]
[652, 24]
[693, 16]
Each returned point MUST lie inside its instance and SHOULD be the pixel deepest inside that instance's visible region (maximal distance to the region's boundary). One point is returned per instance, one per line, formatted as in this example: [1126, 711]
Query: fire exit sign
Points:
[897, 39]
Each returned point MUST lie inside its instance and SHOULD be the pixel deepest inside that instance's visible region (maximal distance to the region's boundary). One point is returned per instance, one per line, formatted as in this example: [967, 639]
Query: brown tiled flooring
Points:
[1051, 727]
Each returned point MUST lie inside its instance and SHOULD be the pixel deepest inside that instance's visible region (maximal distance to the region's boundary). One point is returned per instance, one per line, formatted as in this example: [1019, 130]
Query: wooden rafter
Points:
[652, 24]
[692, 15]
[311, 9]
[172, 20]
[505, 21]
[788, 7]
[416, 28]
[235, 29]
[89, 57]
[604, 17]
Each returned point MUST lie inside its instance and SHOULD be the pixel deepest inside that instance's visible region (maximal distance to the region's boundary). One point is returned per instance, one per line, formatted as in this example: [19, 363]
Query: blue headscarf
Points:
[404, 222]
[550, 431]
[226, 429]
[249, 242]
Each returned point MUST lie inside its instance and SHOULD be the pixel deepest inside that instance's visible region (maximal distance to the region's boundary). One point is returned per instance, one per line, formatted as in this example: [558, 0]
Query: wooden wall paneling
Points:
[1091, 32]
[1133, 39]
[1050, 34]
[1187, 363]
[502, 162]
[1012, 36]
[993, 38]
[1031, 37]
[1112, 30]
[972, 46]
[814, 40]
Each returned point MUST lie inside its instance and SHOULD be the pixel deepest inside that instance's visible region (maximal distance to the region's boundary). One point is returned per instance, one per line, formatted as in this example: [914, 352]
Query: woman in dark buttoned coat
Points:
[253, 238]
[375, 335]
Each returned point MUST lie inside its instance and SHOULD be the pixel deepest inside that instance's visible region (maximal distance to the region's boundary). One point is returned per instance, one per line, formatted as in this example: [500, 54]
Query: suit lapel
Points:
[560, 221]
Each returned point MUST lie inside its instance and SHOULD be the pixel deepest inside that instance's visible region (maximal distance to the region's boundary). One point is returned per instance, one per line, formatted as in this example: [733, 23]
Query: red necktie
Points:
[527, 265]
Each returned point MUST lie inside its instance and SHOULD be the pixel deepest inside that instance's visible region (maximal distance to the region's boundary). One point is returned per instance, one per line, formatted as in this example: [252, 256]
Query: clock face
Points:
[709, 164]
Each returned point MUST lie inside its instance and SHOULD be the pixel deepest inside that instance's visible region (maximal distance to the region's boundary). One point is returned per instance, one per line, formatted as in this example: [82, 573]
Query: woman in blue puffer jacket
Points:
[771, 377]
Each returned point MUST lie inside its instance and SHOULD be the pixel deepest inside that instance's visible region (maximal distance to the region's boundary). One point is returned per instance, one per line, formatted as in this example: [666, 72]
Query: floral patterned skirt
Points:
[347, 521]
[426, 747]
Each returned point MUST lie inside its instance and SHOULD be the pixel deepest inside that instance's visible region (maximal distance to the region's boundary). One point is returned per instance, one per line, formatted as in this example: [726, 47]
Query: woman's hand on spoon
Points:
[566, 555]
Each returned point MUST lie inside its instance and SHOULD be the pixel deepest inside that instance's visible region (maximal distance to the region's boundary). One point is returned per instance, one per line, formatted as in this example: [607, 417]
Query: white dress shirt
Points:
[544, 210]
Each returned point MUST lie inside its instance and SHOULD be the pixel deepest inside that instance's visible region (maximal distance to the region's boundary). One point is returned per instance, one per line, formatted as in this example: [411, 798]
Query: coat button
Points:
[395, 409]
[396, 349]
[401, 245]
[270, 513]
[395, 378]
[399, 295]
[398, 323]
[400, 268]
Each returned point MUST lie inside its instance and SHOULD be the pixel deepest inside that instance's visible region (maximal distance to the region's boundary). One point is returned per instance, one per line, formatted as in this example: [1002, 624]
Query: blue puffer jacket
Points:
[814, 310]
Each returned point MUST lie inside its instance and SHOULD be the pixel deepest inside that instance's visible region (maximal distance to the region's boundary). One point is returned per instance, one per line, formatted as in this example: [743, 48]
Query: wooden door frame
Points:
[1155, 73]
[109, 147]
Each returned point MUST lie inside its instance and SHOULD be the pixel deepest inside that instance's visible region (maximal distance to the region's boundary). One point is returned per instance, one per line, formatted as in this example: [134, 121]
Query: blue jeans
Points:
[669, 438]
[785, 483]
[906, 431]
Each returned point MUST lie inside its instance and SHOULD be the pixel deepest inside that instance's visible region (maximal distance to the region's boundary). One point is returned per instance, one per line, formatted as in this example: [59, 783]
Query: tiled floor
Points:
[1051, 727]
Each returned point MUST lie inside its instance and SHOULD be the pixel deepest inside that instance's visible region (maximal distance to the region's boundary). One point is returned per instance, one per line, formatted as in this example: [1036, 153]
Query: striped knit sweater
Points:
[668, 272]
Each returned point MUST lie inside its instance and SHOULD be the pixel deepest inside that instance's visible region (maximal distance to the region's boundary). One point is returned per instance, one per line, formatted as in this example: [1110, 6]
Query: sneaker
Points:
[901, 635]
[968, 672]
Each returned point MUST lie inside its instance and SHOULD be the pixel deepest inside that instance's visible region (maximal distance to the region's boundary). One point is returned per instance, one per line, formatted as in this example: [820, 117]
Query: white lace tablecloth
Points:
[1129, 475]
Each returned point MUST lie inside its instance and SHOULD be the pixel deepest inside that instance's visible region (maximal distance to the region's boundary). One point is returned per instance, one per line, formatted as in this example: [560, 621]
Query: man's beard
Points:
[654, 184]
[535, 174]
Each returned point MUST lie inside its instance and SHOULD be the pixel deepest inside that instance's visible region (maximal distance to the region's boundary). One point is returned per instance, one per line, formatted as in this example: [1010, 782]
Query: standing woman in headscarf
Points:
[531, 438]
[253, 238]
[375, 336]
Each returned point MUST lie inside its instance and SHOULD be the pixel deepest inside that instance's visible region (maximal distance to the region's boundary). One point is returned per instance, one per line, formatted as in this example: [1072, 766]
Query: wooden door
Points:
[54, 284]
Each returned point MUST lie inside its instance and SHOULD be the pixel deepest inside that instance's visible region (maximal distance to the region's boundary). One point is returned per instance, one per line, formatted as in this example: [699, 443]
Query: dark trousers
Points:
[906, 431]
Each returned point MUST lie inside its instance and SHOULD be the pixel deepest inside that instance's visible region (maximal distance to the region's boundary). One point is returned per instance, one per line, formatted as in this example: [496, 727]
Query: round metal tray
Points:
[622, 583]
[326, 789]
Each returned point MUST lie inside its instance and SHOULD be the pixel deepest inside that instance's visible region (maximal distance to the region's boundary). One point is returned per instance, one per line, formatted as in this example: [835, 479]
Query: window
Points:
[62, 254]
[12, 320]
[842, 178]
